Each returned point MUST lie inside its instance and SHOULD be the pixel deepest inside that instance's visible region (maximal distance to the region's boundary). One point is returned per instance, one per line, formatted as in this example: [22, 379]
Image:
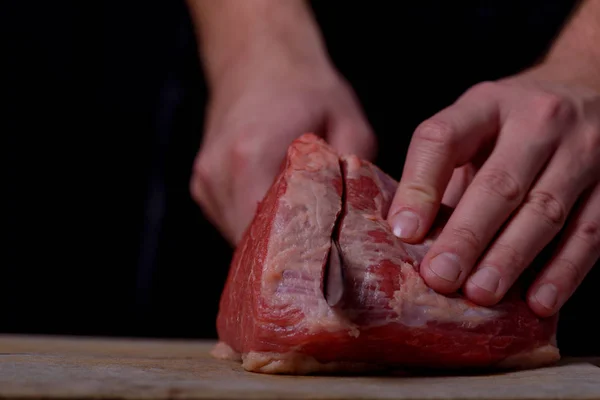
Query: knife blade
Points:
[334, 286]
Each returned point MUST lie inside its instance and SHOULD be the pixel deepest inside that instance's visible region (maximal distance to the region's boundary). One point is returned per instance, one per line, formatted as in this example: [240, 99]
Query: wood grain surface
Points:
[38, 367]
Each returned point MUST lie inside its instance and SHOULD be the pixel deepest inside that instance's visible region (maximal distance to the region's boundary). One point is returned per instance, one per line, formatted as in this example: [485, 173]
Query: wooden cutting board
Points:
[36, 367]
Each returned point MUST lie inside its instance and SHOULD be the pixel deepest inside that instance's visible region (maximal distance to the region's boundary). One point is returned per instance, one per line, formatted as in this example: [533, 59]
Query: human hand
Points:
[258, 107]
[535, 148]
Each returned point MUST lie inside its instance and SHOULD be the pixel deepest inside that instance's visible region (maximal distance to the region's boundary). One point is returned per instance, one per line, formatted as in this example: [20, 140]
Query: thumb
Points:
[352, 135]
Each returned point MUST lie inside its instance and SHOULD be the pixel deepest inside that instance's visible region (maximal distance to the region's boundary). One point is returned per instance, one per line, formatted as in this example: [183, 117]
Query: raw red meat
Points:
[273, 314]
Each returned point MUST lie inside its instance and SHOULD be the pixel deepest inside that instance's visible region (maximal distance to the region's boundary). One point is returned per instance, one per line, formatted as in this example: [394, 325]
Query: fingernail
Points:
[547, 295]
[487, 278]
[446, 266]
[405, 224]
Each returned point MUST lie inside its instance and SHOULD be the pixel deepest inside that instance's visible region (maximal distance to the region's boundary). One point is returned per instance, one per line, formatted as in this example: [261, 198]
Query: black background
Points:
[102, 117]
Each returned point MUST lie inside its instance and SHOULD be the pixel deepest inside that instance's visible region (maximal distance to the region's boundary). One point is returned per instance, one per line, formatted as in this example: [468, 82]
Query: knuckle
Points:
[420, 193]
[507, 258]
[467, 236]
[552, 107]
[591, 143]
[569, 272]
[500, 183]
[437, 133]
[241, 151]
[547, 206]
[589, 232]
[586, 156]
[483, 88]
[201, 178]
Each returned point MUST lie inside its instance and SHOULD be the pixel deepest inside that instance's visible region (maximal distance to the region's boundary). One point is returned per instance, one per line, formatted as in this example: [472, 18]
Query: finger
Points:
[537, 221]
[255, 164]
[496, 191]
[446, 141]
[348, 138]
[461, 178]
[221, 184]
[202, 190]
[576, 255]
[247, 198]
[348, 131]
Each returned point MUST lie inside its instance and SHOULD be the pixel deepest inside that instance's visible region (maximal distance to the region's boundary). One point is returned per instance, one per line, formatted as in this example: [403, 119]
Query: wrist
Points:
[574, 57]
[580, 74]
[262, 33]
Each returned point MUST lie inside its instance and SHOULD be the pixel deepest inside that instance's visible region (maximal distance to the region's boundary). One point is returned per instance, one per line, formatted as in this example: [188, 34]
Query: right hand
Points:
[258, 107]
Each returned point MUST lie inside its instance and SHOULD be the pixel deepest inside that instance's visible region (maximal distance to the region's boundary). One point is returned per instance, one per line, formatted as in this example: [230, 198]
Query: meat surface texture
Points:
[273, 314]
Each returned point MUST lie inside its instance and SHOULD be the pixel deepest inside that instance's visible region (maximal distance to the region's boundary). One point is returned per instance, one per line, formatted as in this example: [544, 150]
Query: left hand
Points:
[534, 151]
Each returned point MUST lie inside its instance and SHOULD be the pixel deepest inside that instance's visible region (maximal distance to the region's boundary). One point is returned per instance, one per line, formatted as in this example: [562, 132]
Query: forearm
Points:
[575, 55]
[230, 31]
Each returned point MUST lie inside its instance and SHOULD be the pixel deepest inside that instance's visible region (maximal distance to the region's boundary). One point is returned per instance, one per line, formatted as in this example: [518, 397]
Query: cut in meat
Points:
[273, 314]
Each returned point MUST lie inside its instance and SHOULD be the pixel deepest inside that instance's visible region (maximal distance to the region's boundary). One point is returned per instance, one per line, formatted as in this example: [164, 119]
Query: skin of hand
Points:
[519, 159]
[270, 90]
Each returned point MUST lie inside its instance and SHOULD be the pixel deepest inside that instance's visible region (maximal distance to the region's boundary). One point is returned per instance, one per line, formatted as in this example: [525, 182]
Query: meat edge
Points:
[293, 363]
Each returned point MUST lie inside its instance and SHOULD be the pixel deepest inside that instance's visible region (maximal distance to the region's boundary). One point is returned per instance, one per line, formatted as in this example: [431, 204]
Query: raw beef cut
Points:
[322, 209]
